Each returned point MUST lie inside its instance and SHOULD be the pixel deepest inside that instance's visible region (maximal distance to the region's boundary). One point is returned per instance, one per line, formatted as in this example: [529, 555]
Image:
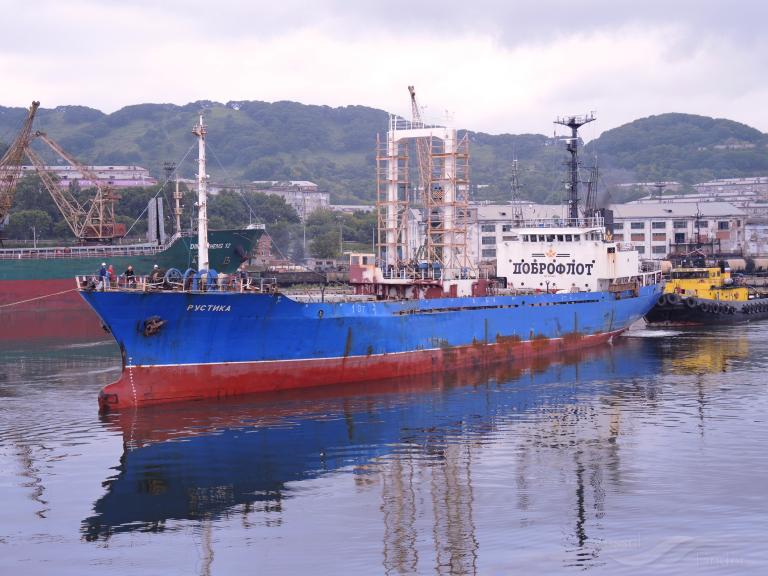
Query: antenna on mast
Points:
[517, 209]
[574, 123]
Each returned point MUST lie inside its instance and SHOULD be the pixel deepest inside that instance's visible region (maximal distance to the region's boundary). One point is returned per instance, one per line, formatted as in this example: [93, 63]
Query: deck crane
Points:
[431, 193]
[11, 163]
[423, 146]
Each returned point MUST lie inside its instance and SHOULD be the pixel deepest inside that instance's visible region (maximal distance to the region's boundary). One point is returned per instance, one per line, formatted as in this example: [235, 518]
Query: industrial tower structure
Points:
[443, 161]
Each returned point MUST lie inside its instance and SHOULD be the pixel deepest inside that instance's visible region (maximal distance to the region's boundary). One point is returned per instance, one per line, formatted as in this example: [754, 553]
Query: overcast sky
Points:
[497, 65]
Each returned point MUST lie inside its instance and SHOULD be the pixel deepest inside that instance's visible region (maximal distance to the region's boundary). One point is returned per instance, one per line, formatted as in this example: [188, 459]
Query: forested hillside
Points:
[335, 147]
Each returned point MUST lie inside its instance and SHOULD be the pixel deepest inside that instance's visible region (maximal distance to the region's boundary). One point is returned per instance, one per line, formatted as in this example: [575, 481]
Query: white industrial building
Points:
[115, 176]
[659, 229]
[302, 195]
[654, 229]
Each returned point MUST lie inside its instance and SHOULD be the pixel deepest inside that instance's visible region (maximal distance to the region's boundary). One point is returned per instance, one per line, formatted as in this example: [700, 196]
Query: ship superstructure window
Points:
[687, 274]
[550, 237]
[658, 225]
[560, 238]
[568, 238]
[576, 237]
[637, 225]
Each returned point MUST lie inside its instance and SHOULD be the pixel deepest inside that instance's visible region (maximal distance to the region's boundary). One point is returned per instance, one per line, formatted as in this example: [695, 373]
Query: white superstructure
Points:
[549, 256]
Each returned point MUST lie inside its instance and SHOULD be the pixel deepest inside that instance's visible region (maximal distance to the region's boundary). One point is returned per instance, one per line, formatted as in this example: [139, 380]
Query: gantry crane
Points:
[90, 221]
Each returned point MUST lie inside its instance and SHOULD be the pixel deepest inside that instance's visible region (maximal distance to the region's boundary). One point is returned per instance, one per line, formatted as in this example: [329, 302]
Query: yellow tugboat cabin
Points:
[710, 283]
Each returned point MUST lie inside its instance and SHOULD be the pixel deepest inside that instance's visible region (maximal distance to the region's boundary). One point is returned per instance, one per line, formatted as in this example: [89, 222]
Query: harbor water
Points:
[645, 456]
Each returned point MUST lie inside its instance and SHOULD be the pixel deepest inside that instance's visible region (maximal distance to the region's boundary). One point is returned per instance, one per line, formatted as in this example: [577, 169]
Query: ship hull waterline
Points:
[145, 385]
[240, 344]
[703, 312]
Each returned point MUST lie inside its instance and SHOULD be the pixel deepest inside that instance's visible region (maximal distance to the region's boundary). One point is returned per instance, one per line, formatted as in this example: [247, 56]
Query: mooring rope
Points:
[36, 298]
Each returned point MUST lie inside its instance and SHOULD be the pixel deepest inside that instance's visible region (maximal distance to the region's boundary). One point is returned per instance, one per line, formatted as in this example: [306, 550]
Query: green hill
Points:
[335, 147]
[681, 147]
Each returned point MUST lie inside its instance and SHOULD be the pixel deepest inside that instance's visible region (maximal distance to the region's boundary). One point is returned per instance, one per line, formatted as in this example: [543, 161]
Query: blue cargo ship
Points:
[203, 335]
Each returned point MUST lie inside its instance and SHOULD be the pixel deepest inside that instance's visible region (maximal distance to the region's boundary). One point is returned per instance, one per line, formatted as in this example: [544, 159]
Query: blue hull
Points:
[219, 344]
[215, 328]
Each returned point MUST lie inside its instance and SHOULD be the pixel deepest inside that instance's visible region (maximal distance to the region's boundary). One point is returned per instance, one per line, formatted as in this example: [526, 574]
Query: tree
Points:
[21, 224]
[326, 245]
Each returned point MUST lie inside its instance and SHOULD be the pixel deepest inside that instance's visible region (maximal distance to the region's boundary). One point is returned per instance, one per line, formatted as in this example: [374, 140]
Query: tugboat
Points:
[701, 294]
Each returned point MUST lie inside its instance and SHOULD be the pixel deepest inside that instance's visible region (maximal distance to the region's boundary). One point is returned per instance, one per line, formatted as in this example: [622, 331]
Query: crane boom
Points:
[422, 147]
[98, 222]
[10, 163]
[69, 207]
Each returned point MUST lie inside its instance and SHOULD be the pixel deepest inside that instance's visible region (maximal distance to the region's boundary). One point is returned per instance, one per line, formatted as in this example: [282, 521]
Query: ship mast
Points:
[574, 123]
[202, 205]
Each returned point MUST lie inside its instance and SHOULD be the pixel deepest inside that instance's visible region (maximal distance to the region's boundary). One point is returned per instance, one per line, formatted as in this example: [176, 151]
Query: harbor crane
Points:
[92, 220]
[11, 163]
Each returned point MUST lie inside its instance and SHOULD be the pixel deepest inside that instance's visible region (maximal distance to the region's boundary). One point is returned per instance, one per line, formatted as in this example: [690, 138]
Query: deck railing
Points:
[197, 284]
[71, 252]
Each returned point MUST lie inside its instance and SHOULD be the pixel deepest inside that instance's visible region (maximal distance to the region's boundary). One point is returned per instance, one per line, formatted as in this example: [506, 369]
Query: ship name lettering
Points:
[572, 268]
[216, 246]
[209, 308]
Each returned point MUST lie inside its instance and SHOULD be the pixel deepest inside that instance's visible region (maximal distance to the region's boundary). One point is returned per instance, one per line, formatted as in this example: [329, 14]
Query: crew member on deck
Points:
[102, 276]
[130, 276]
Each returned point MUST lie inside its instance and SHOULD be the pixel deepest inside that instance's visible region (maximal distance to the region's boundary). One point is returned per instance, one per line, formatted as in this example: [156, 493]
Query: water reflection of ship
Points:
[416, 439]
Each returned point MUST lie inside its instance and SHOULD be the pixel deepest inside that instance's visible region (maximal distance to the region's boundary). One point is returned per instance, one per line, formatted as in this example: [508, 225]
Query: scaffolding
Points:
[391, 201]
[444, 187]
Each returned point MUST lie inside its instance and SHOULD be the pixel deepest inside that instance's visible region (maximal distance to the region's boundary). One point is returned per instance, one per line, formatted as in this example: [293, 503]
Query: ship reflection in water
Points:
[645, 456]
[414, 442]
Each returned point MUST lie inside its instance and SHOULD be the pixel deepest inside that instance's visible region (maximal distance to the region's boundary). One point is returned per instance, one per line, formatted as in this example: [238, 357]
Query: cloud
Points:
[500, 66]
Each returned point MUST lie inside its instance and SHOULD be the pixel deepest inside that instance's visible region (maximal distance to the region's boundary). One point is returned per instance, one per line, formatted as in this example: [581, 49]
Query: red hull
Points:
[145, 385]
[40, 310]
